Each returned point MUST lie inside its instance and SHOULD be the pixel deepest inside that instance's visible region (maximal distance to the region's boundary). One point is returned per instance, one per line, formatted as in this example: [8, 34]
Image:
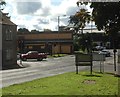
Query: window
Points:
[8, 54]
[9, 35]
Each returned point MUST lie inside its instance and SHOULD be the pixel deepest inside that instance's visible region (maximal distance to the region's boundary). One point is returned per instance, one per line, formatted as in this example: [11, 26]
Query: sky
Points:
[40, 14]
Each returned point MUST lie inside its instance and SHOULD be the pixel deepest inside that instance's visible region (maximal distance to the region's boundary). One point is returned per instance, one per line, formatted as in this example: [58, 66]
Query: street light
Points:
[58, 32]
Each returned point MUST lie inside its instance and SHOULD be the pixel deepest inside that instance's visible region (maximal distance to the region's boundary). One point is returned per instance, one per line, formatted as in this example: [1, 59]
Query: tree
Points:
[24, 30]
[34, 31]
[47, 30]
[79, 21]
[107, 17]
[2, 2]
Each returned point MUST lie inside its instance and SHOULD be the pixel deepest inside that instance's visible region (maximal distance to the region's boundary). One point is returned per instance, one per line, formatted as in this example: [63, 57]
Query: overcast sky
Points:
[40, 14]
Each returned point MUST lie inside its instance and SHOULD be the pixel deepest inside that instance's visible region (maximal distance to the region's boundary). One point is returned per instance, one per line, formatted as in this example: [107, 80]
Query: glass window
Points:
[9, 35]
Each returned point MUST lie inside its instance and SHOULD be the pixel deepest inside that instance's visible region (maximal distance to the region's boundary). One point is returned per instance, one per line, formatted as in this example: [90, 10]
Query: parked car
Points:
[99, 47]
[106, 52]
[33, 55]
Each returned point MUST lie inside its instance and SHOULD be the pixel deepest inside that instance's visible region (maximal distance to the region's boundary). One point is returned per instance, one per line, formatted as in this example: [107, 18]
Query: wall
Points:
[53, 42]
[9, 44]
[0, 46]
[48, 36]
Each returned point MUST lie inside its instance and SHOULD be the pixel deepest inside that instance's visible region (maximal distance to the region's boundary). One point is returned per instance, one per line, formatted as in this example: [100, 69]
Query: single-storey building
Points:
[51, 42]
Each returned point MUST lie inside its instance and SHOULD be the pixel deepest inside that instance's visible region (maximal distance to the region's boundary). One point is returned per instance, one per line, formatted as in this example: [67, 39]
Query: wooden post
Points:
[91, 63]
[76, 69]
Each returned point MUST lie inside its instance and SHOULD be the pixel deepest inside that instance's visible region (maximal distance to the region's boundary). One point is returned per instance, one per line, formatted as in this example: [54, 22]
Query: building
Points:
[102, 39]
[8, 31]
[50, 42]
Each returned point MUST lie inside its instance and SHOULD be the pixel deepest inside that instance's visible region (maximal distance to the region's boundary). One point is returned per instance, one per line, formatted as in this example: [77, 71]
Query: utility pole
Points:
[59, 34]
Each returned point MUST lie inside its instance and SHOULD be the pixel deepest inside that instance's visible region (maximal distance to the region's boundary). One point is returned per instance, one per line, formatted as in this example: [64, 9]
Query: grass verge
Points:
[67, 84]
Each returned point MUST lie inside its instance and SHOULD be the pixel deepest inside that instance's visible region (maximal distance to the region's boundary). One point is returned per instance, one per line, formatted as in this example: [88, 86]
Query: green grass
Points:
[68, 84]
[0, 92]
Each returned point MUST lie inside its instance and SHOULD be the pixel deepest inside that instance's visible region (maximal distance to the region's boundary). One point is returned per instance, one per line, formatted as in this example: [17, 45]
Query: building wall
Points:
[65, 49]
[48, 36]
[9, 46]
[0, 46]
[50, 42]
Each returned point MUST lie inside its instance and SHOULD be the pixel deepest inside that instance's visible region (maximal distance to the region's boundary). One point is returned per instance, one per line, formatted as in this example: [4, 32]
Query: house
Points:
[8, 31]
[50, 42]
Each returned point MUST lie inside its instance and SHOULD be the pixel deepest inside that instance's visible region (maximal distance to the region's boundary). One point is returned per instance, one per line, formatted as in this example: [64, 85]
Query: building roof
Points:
[4, 19]
[45, 32]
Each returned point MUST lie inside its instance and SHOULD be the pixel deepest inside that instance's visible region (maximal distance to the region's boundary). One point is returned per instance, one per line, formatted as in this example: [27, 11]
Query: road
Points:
[39, 69]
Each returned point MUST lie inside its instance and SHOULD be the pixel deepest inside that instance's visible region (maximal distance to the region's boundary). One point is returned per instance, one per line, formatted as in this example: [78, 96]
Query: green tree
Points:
[2, 2]
[23, 30]
[79, 20]
[107, 17]
[76, 42]
[34, 31]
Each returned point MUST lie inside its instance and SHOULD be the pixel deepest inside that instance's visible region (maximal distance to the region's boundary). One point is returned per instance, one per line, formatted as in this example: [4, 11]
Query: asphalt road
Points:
[48, 67]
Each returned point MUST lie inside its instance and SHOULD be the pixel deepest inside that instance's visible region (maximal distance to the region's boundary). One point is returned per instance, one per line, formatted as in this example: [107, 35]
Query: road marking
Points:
[47, 72]
[18, 73]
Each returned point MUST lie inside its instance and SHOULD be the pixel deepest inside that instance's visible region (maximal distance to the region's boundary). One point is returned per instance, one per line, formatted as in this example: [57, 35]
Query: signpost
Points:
[83, 60]
[87, 60]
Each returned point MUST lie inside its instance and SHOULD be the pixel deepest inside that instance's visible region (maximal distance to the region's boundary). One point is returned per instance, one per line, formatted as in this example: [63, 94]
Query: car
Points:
[99, 48]
[106, 52]
[33, 55]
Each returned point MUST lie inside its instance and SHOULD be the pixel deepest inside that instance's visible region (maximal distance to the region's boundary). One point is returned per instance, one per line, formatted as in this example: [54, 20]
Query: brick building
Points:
[51, 42]
[8, 32]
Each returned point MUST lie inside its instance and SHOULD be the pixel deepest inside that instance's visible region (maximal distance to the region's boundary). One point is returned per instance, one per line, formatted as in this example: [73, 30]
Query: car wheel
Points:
[24, 59]
[40, 59]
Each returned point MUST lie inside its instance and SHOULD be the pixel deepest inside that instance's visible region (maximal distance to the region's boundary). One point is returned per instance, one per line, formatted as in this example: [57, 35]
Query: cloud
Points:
[71, 10]
[37, 27]
[40, 14]
[46, 11]
[43, 21]
[28, 7]
[21, 26]
[56, 2]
